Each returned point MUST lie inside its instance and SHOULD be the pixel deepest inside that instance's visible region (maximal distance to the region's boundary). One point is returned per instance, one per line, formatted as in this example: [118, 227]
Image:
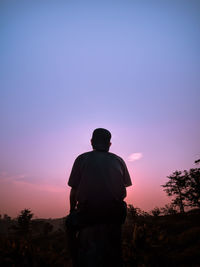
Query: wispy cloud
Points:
[135, 156]
[41, 187]
[11, 177]
[25, 180]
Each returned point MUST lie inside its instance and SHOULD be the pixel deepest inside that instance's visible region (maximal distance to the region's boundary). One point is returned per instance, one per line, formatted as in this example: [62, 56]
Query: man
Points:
[98, 182]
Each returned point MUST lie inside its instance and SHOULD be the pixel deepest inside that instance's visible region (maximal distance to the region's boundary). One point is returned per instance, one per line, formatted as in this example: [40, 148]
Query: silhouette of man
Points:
[98, 182]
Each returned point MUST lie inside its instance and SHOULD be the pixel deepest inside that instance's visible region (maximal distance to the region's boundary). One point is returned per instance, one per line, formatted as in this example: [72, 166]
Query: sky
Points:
[68, 67]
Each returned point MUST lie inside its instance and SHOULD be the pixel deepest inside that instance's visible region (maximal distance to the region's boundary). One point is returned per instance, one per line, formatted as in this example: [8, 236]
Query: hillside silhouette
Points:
[148, 240]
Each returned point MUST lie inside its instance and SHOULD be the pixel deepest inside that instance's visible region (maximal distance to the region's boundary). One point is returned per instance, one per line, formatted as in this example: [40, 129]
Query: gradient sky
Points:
[68, 67]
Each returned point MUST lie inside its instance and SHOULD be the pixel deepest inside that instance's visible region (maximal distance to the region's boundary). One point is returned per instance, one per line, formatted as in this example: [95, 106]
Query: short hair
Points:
[101, 139]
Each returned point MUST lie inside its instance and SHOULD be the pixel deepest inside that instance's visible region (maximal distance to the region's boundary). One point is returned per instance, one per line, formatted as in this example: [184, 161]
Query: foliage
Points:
[184, 187]
[197, 161]
[132, 210]
[176, 187]
[147, 241]
[6, 217]
[156, 212]
[168, 209]
[24, 220]
[192, 194]
[135, 212]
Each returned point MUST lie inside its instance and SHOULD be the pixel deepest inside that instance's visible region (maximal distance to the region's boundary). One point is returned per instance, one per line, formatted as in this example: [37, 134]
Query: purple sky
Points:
[68, 67]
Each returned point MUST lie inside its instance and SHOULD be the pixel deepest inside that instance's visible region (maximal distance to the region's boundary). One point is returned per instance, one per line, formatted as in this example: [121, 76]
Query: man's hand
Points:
[73, 199]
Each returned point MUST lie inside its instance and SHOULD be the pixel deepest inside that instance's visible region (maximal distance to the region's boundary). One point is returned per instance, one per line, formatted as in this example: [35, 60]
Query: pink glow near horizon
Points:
[53, 201]
[48, 196]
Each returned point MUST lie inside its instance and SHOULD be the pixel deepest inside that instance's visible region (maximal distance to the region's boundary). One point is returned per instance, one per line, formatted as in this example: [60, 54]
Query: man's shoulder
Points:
[83, 155]
[92, 153]
[116, 157]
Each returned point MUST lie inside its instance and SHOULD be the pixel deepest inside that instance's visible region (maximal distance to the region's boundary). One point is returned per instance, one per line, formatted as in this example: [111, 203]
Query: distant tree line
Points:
[24, 224]
[184, 187]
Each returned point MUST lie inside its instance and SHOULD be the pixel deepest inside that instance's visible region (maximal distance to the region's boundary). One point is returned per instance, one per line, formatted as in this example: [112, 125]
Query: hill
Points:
[172, 240]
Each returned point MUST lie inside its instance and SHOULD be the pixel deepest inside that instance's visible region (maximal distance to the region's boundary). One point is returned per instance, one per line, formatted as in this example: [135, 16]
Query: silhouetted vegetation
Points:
[24, 222]
[164, 240]
[176, 187]
[158, 240]
[192, 194]
[184, 186]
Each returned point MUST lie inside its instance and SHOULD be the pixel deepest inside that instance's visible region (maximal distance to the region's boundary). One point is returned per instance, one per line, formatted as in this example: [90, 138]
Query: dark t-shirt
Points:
[101, 179]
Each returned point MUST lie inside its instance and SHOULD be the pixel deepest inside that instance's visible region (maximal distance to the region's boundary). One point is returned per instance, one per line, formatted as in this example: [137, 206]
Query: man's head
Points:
[101, 139]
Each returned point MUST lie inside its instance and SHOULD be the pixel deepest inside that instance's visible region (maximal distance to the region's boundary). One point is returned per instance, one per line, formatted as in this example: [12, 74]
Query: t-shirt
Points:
[100, 178]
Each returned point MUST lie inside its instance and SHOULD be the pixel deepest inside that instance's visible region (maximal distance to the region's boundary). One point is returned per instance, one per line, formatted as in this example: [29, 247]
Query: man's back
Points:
[100, 178]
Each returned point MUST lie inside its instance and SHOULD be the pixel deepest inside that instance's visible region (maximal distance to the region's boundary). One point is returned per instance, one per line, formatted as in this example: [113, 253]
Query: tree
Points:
[168, 209]
[176, 186]
[156, 212]
[192, 193]
[6, 217]
[185, 187]
[132, 210]
[24, 220]
[135, 212]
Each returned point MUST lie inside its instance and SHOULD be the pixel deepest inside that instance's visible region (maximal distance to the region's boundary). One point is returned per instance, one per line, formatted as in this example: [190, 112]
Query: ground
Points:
[172, 240]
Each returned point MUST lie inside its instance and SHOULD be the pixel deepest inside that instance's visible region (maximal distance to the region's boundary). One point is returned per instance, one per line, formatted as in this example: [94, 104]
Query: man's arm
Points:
[73, 182]
[127, 178]
[73, 199]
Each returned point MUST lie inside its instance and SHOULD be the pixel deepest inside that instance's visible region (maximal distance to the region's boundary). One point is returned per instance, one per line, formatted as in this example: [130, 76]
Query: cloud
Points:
[24, 180]
[135, 156]
[41, 187]
[5, 176]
